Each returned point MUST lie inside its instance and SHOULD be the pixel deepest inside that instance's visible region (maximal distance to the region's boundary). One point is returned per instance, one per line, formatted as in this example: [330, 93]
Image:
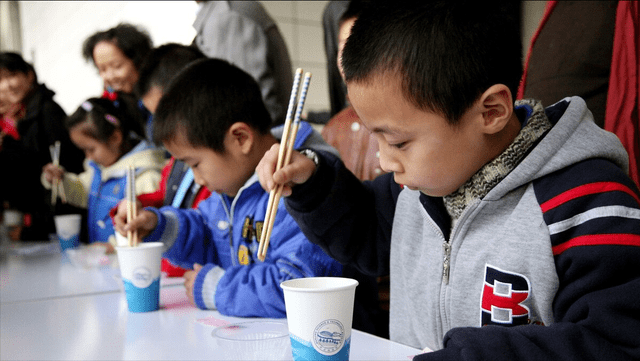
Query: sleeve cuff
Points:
[205, 285]
[156, 235]
[309, 195]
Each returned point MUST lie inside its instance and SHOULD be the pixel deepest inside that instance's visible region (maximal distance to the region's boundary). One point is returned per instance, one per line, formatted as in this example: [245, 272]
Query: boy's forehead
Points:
[178, 140]
[375, 99]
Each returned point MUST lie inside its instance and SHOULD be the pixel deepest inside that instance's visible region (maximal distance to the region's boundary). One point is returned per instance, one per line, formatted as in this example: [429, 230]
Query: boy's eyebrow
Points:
[383, 129]
[184, 160]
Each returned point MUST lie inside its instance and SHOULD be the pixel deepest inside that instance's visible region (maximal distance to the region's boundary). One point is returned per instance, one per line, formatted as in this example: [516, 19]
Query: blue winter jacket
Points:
[98, 189]
[223, 234]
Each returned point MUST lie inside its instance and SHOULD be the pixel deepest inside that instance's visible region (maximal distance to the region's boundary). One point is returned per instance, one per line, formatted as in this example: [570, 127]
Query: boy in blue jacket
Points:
[516, 234]
[212, 117]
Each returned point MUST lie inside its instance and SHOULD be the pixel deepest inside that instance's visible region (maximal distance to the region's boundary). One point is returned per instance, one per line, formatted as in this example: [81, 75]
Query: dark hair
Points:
[353, 10]
[14, 63]
[134, 42]
[162, 64]
[204, 100]
[446, 53]
[101, 117]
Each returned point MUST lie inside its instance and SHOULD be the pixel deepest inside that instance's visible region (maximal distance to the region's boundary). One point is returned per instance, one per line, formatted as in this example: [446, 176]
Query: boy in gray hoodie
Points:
[510, 231]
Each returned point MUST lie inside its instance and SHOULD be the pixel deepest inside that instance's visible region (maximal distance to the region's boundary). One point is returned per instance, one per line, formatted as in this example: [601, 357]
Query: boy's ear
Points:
[241, 137]
[497, 108]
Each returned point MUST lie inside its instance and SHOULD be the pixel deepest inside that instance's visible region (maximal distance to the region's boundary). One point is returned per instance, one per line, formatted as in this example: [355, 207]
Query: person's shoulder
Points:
[593, 188]
[253, 11]
[592, 173]
[42, 104]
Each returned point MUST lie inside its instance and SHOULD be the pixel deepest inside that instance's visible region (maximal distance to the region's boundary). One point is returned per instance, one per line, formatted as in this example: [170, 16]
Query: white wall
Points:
[53, 33]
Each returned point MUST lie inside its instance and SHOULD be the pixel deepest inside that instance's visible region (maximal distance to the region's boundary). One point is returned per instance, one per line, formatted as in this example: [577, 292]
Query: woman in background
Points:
[118, 54]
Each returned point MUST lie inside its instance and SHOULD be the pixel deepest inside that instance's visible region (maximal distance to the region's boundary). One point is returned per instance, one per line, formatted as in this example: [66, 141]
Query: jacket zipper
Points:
[446, 263]
[229, 228]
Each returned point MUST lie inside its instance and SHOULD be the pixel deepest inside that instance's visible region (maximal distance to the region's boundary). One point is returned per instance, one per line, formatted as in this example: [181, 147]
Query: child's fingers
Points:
[267, 166]
[189, 280]
[144, 223]
[298, 171]
[120, 217]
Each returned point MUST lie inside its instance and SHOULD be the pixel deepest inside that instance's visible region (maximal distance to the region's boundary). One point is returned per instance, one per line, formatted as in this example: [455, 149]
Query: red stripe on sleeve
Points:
[584, 190]
[598, 240]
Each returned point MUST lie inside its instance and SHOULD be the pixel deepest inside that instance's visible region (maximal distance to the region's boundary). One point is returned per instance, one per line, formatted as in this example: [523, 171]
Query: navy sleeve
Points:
[349, 219]
[592, 211]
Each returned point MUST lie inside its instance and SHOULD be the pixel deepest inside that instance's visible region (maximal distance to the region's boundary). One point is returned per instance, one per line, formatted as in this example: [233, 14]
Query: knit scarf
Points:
[534, 126]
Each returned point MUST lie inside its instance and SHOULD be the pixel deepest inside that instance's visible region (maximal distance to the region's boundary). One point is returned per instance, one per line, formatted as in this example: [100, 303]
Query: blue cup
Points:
[68, 230]
[140, 271]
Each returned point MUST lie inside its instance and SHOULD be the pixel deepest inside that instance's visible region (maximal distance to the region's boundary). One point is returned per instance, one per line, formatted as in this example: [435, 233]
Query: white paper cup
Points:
[121, 241]
[140, 271]
[254, 340]
[68, 230]
[319, 315]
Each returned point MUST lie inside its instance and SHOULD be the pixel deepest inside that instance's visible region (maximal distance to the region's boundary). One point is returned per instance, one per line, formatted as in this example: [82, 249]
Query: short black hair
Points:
[133, 41]
[353, 10]
[162, 64]
[446, 53]
[204, 100]
[15, 63]
[103, 117]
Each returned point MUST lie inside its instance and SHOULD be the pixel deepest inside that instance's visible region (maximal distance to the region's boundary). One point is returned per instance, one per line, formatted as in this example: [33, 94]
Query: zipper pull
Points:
[446, 262]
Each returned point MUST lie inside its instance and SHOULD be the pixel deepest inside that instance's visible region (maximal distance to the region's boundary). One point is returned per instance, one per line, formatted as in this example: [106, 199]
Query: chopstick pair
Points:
[284, 157]
[57, 186]
[132, 211]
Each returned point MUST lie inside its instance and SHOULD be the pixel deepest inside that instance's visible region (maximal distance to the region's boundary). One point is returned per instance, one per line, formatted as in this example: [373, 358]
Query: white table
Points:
[47, 273]
[52, 310]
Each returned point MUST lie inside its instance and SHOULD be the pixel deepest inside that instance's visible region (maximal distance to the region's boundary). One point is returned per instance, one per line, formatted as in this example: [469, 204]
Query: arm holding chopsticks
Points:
[350, 219]
[232, 280]
[76, 186]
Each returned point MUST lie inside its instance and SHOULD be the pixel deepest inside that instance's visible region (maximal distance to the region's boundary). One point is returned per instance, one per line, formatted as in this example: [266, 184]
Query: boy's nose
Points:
[198, 179]
[387, 163]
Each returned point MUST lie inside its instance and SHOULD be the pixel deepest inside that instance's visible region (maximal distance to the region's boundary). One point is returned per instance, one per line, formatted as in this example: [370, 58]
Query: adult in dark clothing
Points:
[570, 54]
[31, 122]
[331, 16]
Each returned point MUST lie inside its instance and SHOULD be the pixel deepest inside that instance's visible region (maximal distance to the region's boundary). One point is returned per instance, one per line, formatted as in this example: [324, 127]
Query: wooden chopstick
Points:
[281, 154]
[132, 212]
[54, 186]
[284, 157]
[54, 150]
[61, 192]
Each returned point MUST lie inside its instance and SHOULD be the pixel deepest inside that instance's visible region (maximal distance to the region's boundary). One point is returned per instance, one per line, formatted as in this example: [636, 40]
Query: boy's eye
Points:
[399, 145]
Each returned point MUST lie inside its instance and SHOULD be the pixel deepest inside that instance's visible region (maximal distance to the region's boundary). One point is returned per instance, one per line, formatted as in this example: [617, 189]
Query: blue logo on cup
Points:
[328, 337]
[141, 277]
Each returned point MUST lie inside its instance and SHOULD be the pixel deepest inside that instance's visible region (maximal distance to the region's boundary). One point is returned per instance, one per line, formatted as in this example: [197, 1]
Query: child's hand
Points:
[189, 280]
[298, 171]
[144, 223]
[52, 172]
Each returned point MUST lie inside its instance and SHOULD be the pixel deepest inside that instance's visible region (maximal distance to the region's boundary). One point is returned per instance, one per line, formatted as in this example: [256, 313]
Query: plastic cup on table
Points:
[68, 230]
[254, 340]
[140, 271]
[319, 315]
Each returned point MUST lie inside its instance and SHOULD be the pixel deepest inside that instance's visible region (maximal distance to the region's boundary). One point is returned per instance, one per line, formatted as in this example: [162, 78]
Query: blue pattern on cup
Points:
[304, 350]
[142, 299]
